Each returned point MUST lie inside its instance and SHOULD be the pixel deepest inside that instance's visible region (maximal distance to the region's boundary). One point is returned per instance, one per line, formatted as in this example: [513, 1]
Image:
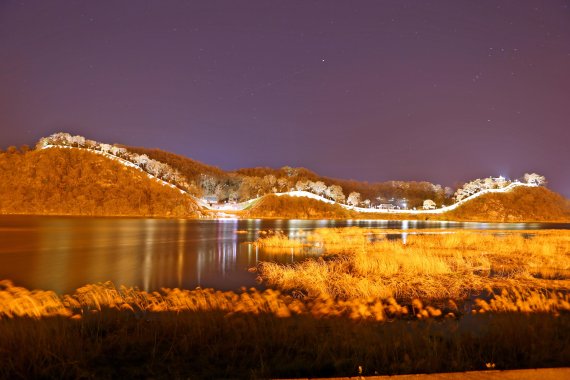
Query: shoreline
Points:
[241, 217]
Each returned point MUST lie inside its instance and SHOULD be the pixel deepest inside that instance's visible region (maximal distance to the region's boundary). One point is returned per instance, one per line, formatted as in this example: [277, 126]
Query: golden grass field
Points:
[101, 331]
[363, 263]
[18, 302]
[468, 300]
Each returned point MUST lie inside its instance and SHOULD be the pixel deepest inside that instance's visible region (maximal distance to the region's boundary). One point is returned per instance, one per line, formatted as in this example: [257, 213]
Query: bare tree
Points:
[429, 204]
[282, 184]
[353, 199]
[105, 148]
[335, 193]
[302, 185]
[534, 179]
[318, 187]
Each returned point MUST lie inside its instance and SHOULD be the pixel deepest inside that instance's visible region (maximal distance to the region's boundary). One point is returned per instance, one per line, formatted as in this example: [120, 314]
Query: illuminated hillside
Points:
[72, 175]
[78, 182]
[287, 207]
[518, 205]
[247, 183]
[190, 168]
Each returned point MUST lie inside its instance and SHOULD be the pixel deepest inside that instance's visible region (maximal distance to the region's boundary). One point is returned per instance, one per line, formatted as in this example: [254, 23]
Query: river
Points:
[64, 253]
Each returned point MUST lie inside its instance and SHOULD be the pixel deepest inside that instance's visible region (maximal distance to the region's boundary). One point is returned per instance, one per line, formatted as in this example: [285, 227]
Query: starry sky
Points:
[443, 91]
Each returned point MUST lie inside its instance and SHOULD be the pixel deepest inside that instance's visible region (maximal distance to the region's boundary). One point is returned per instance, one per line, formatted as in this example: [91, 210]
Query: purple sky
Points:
[443, 91]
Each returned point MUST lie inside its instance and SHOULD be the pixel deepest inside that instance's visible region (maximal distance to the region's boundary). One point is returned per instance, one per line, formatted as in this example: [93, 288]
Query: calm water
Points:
[62, 253]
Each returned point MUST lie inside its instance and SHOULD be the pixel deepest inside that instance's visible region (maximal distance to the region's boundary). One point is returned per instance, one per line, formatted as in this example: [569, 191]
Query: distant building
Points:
[386, 206]
[210, 199]
[500, 181]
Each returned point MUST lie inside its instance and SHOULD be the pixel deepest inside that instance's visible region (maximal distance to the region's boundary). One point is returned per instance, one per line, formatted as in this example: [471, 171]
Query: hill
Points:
[247, 183]
[286, 207]
[71, 175]
[76, 182]
[522, 204]
[244, 184]
[415, 192]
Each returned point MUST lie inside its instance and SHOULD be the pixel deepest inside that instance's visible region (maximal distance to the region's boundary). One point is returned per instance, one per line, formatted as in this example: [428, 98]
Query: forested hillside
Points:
[75, 182]
[71, 175]
[193, 170]
[248, 183]
[523, 204]
[203, 180]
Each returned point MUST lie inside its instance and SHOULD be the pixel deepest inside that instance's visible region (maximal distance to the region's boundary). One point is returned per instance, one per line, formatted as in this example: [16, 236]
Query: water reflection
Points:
[65, 253]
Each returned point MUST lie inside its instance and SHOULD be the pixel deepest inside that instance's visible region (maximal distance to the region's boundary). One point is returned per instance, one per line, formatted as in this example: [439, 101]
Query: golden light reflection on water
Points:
[180, 258]
[63, 254]
[62, 243]
[148, 251]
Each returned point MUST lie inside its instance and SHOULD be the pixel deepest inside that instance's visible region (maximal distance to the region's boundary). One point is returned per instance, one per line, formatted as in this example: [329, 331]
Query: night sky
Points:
[443, 91]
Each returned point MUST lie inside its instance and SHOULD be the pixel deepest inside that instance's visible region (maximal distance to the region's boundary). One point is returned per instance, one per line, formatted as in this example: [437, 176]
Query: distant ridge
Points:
[106, 179]
[518, 204]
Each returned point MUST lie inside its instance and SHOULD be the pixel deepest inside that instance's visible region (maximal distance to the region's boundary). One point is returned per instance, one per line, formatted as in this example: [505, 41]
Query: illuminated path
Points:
[306, 194]
[384, 211]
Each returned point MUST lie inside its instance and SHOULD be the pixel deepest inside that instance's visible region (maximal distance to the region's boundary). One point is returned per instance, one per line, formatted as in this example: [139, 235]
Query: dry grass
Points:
[277, 239]
[21, 302]
[524, 301]
[352, 319]
[18, 302]
[362, 263]
[101, 331]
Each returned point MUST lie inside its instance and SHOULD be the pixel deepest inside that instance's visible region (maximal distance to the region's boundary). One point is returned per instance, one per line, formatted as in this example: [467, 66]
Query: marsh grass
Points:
[362, 263]
[102, 331]
[368, 306]
[277, 239]
[18, 302]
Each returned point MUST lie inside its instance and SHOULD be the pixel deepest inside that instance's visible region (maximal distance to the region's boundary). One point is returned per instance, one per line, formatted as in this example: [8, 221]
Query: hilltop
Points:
[523, 204]
[77, 182]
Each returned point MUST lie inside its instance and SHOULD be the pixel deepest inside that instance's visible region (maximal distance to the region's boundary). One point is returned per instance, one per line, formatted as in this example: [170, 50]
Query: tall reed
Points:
[364, 263]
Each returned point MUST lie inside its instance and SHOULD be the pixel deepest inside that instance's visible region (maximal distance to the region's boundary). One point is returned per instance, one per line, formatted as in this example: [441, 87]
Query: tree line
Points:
[247, 183]
[477, 185]
[241, 185]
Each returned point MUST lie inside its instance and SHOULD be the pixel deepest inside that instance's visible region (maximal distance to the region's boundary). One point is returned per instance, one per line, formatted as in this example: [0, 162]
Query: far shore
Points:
[237, 215]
